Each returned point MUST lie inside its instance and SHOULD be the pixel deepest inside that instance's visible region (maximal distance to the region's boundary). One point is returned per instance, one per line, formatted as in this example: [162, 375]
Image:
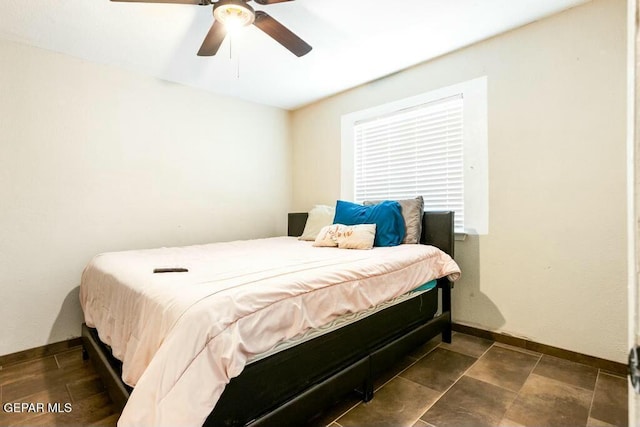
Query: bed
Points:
[288, 387]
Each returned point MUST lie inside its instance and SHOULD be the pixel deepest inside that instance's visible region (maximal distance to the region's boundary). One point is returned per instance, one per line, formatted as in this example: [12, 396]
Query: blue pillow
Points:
[387, 216]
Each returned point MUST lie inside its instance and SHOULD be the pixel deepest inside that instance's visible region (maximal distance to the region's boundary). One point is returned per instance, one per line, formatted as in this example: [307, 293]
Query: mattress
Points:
[339, 322]
[175, 332]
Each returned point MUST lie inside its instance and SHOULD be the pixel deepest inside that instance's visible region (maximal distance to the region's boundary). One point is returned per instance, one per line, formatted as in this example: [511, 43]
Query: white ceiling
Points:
[354, 41]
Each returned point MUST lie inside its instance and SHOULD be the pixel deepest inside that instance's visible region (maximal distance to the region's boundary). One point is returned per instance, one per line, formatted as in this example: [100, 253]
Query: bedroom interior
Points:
[106, 158]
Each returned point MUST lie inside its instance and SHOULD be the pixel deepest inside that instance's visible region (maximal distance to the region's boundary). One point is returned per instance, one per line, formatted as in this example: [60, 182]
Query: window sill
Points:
[460, 237]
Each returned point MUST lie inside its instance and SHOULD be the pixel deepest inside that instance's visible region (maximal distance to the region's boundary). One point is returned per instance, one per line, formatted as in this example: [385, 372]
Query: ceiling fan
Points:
[230, 14]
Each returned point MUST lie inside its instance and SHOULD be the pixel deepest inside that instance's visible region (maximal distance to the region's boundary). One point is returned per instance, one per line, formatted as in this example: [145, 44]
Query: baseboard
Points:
[38, 352]
[596, 362]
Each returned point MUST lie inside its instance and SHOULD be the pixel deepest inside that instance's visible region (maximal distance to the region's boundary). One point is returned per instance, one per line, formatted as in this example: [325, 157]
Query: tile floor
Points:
[62, 378]
[471, 382]
[476, 382]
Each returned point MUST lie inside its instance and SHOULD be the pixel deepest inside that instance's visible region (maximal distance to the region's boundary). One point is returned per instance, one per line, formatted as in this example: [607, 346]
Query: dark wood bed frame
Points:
[291, 387]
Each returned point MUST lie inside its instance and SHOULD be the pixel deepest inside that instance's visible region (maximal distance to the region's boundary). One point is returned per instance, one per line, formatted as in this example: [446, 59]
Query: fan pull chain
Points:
[238, 64]
[231, 37]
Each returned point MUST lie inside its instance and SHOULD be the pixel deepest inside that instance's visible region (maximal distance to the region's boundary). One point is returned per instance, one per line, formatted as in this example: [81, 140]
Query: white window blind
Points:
[412, 152]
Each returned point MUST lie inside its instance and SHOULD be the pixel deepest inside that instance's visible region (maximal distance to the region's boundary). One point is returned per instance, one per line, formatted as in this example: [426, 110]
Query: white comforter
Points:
[183, 336]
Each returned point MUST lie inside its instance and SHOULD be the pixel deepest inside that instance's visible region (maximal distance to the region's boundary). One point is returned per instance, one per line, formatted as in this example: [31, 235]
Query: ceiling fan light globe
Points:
[233, 14]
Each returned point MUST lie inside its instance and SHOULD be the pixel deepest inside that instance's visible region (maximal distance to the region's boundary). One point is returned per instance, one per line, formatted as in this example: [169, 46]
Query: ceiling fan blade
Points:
[196, 2]
[266, 2]
[281, 34]
[213, 40]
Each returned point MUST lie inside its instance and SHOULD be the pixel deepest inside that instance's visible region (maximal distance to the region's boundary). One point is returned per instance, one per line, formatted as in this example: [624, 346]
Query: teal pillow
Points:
[387, 216]
[427, 286]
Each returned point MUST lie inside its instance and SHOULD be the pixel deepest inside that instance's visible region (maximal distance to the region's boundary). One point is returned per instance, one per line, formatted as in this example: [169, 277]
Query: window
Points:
[433, 145]
[416, 151]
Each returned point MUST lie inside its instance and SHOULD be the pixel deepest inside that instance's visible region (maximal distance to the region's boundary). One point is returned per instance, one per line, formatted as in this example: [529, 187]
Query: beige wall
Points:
[96, 159]
[553, 266]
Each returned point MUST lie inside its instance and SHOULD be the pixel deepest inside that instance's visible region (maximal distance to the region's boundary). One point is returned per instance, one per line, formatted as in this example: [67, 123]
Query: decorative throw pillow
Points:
[326, 236]
[356, 236]
[412, 211]
[387, 216]
[320, 216]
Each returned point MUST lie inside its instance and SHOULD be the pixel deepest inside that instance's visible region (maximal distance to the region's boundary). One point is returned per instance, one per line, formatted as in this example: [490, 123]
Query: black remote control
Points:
[170, 270]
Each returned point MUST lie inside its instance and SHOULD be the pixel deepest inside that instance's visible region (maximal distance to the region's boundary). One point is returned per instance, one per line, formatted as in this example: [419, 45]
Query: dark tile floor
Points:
[475, 382]
[471, 382]
[70, 384]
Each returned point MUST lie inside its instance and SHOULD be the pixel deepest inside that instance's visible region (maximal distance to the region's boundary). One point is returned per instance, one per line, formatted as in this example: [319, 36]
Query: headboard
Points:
[437, 229]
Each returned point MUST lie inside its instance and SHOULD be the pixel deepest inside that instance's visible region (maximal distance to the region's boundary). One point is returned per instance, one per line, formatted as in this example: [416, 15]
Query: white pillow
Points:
[359, 236]
[326, 236]
[320, 216]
